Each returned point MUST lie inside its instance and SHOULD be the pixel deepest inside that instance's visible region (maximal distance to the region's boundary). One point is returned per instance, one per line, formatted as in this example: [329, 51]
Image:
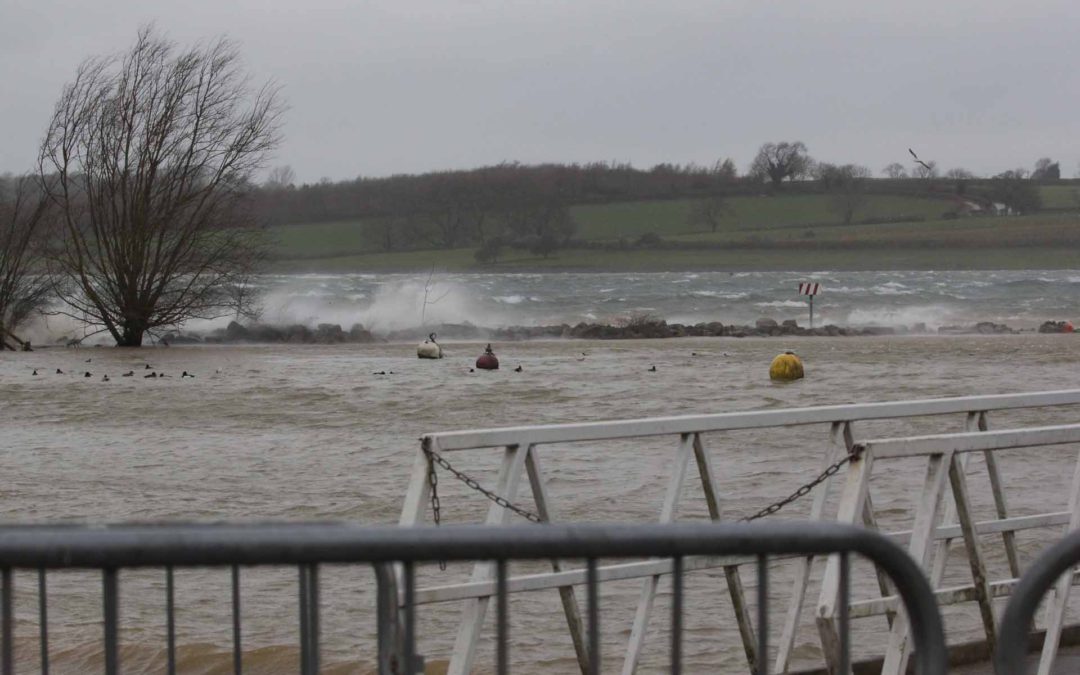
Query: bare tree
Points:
[24, 286]
[149, 157]
[280, 178]
[709, 212]
[959, 174]
[895, 170]
[778, 161]
[846, 186]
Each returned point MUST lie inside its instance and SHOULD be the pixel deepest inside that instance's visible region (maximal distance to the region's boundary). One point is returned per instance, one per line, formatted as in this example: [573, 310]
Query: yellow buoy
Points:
[786, 367]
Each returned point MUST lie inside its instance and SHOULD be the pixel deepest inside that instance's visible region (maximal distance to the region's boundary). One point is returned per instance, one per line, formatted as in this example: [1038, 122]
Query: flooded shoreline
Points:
[312, 432]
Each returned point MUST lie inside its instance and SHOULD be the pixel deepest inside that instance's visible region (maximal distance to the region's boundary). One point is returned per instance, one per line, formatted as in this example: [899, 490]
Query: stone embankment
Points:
[326, 333]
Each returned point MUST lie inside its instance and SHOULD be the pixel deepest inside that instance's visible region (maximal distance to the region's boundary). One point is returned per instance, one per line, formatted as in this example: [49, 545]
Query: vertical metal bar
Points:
[170, 621]
[238, 661]
[594, 616]
[676, 615]
[409, 581]
[313, 621]
[845, 613]
[110, 600]
[43, 621]
[503, 629]
[388, 618]
[763, 614]
[305, 615]
[8, 623]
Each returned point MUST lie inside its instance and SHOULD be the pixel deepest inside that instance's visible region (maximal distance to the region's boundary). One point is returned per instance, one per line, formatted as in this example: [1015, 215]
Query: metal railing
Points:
[1053, 571]
[928, 544]
[307, 546]
[521, 449]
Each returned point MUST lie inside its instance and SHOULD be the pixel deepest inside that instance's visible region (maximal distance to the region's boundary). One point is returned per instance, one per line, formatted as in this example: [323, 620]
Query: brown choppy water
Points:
[309, 432]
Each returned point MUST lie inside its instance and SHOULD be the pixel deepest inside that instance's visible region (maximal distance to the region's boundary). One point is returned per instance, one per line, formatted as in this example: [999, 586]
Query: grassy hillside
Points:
[764, 232]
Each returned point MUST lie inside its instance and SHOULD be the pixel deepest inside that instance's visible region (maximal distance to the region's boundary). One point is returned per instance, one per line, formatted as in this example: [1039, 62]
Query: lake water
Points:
[310, 432]
[389, 302]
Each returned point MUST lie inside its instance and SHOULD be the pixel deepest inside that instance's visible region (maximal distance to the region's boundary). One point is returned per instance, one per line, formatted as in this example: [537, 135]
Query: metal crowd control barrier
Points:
[307, 546]
[945, 456]
[1051, 570]
[520, 455]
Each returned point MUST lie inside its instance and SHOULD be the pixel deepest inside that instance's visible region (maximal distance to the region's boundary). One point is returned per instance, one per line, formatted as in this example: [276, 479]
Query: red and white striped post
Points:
[810, 288]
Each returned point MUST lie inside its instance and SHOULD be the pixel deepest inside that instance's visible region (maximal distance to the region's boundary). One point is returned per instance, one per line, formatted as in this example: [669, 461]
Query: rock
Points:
[298, 334]
[262, 332]
[919, 328]
[991, 328]
[714, 328]
[765, 323]
[329, 333]
[1055, 327]
[234, 332]
[360, 334]
[790, 323]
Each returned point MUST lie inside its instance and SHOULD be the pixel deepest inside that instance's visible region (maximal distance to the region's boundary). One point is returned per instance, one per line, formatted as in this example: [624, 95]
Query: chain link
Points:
[805, 489]
[435, 458]
[436, 508]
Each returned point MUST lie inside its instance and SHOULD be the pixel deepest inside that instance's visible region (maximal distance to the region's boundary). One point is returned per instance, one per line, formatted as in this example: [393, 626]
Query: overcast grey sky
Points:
[379, 87]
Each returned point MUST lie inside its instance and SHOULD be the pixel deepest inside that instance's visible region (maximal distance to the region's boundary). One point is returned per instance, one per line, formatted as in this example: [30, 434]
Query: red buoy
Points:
[1068, 327]
[487, 360]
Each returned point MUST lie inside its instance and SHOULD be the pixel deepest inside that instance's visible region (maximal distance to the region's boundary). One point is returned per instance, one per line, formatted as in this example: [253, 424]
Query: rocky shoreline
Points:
[633, 330]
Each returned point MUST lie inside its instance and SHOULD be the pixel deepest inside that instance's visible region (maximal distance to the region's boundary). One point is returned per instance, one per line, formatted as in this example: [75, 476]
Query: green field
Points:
[1060, 196]
[765, 232]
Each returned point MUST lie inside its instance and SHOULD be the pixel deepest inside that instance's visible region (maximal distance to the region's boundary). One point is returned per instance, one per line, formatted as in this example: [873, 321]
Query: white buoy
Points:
[429, 349]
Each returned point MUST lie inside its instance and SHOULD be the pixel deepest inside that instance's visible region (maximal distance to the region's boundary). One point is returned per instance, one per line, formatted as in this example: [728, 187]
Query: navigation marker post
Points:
[810, 288]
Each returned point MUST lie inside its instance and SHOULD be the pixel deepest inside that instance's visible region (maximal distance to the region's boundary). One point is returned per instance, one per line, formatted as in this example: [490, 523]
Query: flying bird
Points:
[919, 161]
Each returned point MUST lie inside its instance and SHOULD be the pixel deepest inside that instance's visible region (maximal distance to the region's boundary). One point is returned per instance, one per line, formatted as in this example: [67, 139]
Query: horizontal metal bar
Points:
[1005, 439]
[573, 577]
[647, 568]
[659, 426]
[953, 595]
[296, 543]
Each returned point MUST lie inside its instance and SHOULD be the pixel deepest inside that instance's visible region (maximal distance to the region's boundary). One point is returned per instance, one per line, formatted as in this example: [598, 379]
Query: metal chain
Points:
[436, 458]
[433, 479]
[805, 489]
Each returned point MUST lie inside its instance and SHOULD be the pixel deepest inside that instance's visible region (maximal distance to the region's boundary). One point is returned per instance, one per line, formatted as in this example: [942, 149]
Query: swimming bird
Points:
[105, 379]
[518, 369]
[87, 374]
[471, 370]
[59, 372]
[35, 371]
[88, 360]
[146, 367]
[149, 376]
[652, 370]
[187, 374]
[128, 373]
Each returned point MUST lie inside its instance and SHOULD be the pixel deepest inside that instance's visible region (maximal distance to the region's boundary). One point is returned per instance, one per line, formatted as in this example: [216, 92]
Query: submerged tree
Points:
[148, 158]
[24, 223]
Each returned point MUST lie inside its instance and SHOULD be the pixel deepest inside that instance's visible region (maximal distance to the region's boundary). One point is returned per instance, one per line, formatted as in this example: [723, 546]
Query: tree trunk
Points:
[130, 336]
